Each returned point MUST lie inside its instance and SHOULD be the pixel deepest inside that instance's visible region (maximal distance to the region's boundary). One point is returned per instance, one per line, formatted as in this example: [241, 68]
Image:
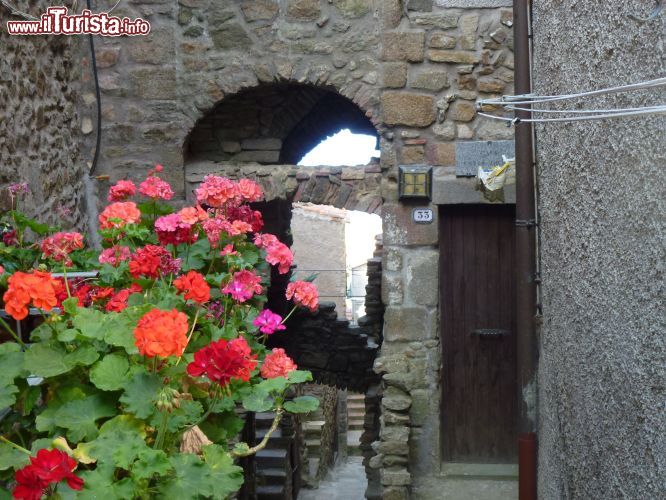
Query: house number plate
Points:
[422, 215]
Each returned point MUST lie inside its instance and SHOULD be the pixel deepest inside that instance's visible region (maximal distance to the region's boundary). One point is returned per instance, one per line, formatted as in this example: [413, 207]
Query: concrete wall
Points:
[602, 361]
[41, 127]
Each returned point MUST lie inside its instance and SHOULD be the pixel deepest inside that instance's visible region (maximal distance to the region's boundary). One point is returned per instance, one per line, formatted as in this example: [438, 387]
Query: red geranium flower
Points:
[60, 245]
[277, 364]
[118, 302]
[49, 466]
[193, 286]
[161, 333]
[151, 261]
[223, 361]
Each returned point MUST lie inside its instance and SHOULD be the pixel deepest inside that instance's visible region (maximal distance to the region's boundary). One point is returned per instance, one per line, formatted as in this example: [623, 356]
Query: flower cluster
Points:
[216, 191]
[277, 364]
[37, 287]
[193, 286]
[277, 253]
[121, 191]
[60, 245]
[303, 294]
[269, 322]
[119, 214]
[172, 229]
[152, 261]
[114, 255]
[154, 187]
[48, 467]
[223, 361]
[161, 333]
[118, 302]
[243, 286]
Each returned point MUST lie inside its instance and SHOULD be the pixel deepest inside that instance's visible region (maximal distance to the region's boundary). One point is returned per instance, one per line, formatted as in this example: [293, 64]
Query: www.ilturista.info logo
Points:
[56, 21]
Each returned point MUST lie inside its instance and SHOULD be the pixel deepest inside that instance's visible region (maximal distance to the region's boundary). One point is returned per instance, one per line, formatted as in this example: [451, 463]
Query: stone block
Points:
[395, 493]
[230, 36]
[393, 448]
[106, 57]
[465, 131]
[392, 260]
[469, 25]
[494, 130]
[154, 83]
[395, 476]
[395, 75]
[304, 10]
[393, 460]
[431, 80]
[391, 13]
[403, 46]
[420, 5]
[394, 433]
[409, 324]
[392, 289]
[462, 111]
[402, 108]
[400, 229]
[423, 407]
[439, 40]
[158, 47]
[264, 144]
[491, 85]
[422, 277]
[396, 399]
[445, 131]
[412, 155]
[258, 156]
[392, 418]
[259, 10]
[390, 364]
[453, 56]
[441, 153]
[352, 8]
[441, 20]
[352, 174]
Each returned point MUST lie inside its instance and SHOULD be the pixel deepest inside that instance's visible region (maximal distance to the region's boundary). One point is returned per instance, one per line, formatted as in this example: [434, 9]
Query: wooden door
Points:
[478, 328]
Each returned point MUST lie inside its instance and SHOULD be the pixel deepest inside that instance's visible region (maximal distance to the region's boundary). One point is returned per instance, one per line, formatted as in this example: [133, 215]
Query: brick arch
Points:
[284, 119]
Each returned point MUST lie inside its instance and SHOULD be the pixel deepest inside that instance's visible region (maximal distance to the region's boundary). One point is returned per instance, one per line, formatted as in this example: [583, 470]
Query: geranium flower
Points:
[216, 191]
[214, 229]
[215, 310]
[152, 261]
[249, 190]
[119, 214]
[227, 250]
[114, 255]
[161, 333]
[60, 245]
[192, 215]
[223, 361]
[118, 302]
[2, 270]
[10, 238]
[121, 190]
[269, 322]
[36, 287]
[173, 229]
[277, 364]
[193, 286]
[304, 294]
[280, 255]
[246, 214]
[154, 187]
[243, 286]
[265, 240]
[49, 466]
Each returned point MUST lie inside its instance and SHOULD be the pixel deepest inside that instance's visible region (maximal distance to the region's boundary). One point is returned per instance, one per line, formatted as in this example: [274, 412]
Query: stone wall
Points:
[603, 350]
[41, 125]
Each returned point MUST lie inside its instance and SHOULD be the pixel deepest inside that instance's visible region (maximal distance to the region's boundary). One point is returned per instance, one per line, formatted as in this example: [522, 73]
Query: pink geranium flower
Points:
[277, 364]
[154, 187]
[269, 322]
[216, 191]
[114, 255]
[304, 294]
[278, 254]
[243, 286]
[121, 190]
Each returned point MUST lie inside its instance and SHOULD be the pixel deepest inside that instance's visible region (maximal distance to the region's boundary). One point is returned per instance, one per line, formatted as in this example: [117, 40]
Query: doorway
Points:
[477, 287]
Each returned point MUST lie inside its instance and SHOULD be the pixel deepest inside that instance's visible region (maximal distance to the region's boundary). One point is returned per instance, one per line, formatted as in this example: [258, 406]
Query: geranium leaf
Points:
[110, 374]
[257, 401]
[118, 331]
[149, 463]
[124, 423]
[191, 474]
[79, 417]
[302, 404]
[90, 322]
[299, 376]
[8, 395]
[67, 335]
[10, 457]
[141, 393]
[11, 361]
[46, 360]
[277, 384]
[226, 477]
[71, 305]
[84, 355]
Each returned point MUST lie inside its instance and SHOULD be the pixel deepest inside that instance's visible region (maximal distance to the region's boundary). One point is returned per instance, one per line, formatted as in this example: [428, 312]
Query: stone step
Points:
[272, 459]
[355, 426]
[270, 492]
[356, 414]
[271, 477]
[313, 445]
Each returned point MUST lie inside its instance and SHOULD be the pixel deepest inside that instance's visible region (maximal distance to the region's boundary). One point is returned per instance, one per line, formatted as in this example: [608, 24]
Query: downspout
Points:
[526, 298]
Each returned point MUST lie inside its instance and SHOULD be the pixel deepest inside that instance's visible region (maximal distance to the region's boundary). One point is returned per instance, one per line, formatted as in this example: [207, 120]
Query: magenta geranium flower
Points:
[269, 322]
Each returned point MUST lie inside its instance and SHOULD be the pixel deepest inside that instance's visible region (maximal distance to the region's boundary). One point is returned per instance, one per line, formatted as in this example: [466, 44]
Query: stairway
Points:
[355, 423]
[273, 463]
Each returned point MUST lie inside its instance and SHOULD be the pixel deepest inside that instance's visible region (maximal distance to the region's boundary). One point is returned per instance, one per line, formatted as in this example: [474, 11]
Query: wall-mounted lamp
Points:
[415, 182]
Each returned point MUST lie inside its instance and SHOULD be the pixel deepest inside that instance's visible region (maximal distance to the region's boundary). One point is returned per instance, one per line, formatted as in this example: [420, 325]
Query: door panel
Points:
[479, 413]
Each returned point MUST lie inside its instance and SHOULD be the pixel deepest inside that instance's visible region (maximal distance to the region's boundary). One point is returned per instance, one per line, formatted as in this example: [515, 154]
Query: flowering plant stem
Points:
[276, 421]
[14, 445]
[11, 332]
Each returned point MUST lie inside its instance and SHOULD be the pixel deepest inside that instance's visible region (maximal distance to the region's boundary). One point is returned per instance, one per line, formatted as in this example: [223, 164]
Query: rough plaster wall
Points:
[40, 129]
[602, 366]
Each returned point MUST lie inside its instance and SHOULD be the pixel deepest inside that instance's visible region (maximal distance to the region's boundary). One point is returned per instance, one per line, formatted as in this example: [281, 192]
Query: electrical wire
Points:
[646, 111]
[98, 97]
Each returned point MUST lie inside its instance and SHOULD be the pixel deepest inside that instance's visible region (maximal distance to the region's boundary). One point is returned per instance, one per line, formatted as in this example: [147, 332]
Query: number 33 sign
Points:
[422, 215]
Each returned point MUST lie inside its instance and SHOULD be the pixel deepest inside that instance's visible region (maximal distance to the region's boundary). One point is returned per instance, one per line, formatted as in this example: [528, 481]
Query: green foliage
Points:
[140, 394]
[302, 404]
[111, 373]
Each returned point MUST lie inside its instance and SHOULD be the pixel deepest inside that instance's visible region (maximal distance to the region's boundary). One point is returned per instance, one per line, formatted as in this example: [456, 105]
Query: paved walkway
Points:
[346, 481]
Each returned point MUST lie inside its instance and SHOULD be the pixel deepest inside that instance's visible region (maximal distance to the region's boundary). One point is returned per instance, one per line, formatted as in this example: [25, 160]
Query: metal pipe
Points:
[525, 254]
